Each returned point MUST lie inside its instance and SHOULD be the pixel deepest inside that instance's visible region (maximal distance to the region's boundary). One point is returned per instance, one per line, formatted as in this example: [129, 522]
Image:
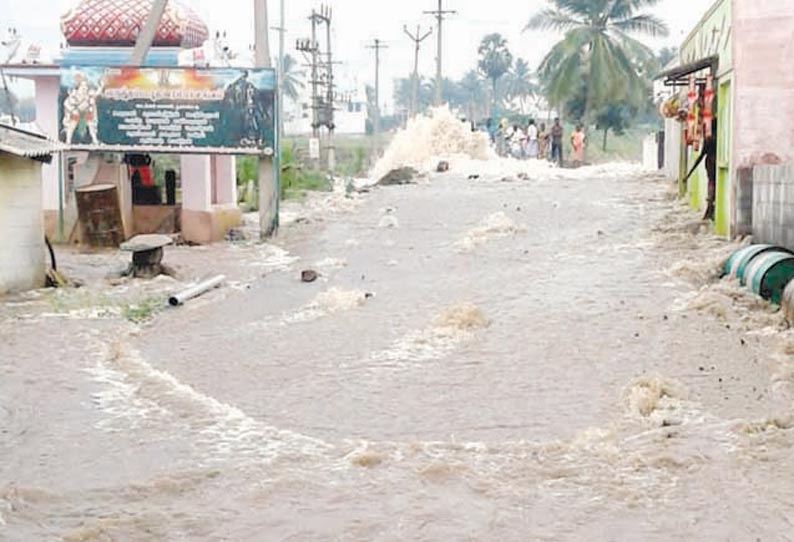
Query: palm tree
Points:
[292, 78]
[403, 93]
[597, 48]
[520, 83]
[473, 86]
[495, 59]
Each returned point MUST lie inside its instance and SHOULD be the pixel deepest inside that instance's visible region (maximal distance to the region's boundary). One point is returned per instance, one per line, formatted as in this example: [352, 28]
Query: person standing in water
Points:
[532, 140]
[543, 142]
[491, 129]
[709, 154]
[577, 143]
[557, 134]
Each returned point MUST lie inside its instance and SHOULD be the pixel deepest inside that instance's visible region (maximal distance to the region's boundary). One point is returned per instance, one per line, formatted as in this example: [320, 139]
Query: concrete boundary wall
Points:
[773, 205]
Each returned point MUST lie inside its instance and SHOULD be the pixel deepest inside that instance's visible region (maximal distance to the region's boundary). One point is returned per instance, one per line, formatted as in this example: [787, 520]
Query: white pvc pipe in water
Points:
[195, 291]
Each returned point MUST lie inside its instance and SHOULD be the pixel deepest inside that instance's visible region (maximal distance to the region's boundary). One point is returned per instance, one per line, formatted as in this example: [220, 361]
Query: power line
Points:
[440, 14]
[417, 39]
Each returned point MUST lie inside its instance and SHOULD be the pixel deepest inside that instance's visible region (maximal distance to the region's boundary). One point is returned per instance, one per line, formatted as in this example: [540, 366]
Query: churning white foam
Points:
[449, 329]
[332, 301]
[135, 394]
[430, 138]
[492, 227]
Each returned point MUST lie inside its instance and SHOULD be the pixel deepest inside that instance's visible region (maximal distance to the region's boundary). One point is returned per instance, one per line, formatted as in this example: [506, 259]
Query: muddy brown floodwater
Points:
[491, 360]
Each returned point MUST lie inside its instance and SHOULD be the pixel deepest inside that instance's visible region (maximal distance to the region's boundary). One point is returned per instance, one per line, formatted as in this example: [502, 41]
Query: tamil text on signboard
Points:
[168, 110]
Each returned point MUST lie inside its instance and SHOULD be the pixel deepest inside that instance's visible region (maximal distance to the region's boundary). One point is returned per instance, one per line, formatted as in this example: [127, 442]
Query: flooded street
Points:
[491, 359]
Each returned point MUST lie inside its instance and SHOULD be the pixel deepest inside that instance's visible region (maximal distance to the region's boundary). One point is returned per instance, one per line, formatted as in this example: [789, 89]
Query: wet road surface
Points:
[480, 360]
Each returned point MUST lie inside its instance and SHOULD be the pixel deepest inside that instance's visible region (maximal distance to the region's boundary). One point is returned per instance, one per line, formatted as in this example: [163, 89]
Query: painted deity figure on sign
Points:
[80, 112]
[245, 112]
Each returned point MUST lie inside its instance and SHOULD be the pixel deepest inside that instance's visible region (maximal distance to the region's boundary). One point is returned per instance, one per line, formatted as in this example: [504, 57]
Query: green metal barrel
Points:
[770, 273]
[737, 264]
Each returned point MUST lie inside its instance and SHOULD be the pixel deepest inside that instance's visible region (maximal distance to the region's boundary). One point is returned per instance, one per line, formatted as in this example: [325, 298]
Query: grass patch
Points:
[143, 312]
[620, 148]
[296, 180]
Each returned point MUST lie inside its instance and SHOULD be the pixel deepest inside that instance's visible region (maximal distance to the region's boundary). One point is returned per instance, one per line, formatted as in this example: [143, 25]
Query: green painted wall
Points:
[724, 171]
[712, 37]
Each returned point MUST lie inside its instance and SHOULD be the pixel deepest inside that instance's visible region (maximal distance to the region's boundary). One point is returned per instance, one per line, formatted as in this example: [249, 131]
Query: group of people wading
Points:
[535, 142]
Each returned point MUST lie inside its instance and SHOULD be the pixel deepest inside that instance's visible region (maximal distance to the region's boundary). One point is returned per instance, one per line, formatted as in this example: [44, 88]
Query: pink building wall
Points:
[47, 89]
[763, 52]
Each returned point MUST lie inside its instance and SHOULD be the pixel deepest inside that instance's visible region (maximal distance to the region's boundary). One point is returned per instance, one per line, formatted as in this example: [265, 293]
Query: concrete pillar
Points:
[197, 218]
[203, 222]
[47, 90]
[196, 182]
[225, 180]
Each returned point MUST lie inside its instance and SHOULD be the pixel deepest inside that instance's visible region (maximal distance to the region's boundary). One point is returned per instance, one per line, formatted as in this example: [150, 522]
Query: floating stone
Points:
[309, 276]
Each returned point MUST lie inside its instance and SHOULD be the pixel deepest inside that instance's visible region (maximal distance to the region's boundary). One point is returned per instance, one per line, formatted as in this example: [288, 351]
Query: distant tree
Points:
[451, 93]
[495, 61]
[616, 117]
[293, 78]
[597, 49]
[666, 55]
[403, 91]
[475, 91]
[520, 83]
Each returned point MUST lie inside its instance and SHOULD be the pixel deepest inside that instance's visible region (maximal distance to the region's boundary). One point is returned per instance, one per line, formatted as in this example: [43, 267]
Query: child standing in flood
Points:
[577, 142]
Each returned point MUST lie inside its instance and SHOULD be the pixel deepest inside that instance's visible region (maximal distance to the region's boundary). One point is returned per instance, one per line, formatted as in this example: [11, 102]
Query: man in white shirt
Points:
[532, 140]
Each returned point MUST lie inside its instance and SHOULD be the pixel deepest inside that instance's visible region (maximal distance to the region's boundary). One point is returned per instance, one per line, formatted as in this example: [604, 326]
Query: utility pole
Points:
[311, 49]
[322, 75]
[268, 181]
[281, 29]
[315, 51]
[417, 39]
[279, 109]
[377, 46]
[148, 32]
[326, 16]
[440, 14]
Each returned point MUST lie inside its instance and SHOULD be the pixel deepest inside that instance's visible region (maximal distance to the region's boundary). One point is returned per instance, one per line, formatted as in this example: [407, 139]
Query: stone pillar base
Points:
[206, 227]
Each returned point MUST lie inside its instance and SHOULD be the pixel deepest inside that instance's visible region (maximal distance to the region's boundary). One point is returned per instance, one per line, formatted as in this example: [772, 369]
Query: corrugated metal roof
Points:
[26, 144]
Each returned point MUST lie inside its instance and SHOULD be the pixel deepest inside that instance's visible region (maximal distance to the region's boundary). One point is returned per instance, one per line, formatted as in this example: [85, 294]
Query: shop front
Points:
[703, 104]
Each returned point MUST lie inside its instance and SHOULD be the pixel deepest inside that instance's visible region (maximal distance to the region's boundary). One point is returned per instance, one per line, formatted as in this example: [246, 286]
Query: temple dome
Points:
[116, 23]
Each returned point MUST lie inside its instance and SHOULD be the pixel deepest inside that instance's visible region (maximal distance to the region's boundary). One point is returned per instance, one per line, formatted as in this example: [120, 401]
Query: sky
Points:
[358, 22]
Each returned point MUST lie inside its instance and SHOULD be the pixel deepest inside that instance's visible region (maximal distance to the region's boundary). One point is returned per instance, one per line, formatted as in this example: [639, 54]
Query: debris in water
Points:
[309, 276]
[195, 291]
[398, 177]
[368, 459]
